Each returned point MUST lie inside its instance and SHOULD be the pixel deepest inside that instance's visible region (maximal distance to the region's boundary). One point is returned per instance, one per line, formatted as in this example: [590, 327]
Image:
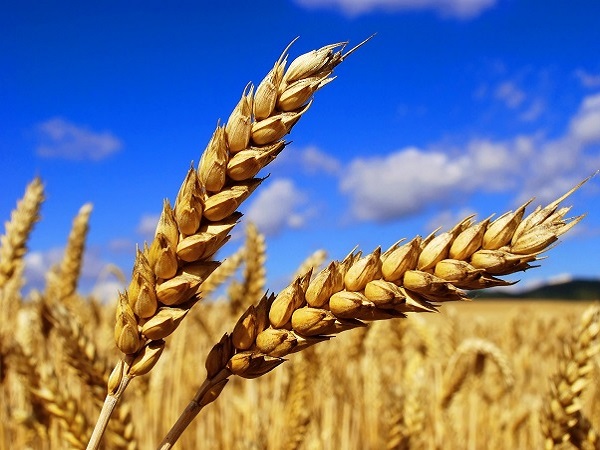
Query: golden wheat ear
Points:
[418, 276]
[562, 419]
[168, 273]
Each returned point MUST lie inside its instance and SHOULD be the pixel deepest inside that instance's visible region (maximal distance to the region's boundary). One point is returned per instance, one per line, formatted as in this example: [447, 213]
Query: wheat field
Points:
[351, 354]
[476, 375]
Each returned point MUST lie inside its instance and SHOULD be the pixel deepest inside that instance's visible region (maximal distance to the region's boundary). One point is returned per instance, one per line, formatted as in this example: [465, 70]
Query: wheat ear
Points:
[455, 375]
[250, 290]
[22, 220]
[297, 414]
[312, 263]
[222, 273]
[414, 277]
[13, 249]
[167, 274]
[62, 280]
[562, 419]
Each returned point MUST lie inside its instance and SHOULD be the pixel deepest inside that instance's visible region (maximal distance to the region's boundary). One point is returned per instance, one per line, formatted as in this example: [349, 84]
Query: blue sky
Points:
[455, 107]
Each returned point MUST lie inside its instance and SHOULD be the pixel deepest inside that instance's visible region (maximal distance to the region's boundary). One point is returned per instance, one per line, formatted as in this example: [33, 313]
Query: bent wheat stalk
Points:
[456, 373]
[168, 274]
[414, 277]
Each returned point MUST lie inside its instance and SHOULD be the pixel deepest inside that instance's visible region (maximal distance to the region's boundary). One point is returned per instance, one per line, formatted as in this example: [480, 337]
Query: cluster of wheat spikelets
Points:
[414, 384]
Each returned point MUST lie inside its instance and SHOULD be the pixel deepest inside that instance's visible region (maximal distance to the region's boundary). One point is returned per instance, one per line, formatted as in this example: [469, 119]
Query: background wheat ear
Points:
[563, 419]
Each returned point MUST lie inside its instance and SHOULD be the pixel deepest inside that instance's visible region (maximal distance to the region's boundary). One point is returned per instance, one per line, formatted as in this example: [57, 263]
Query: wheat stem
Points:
[108, 407]
[207, 393]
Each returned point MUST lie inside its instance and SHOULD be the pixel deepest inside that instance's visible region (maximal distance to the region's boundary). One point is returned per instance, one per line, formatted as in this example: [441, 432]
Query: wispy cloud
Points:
[412, 179]
[585, 126]
[310, 160]
[315, 161]
[278, 205]
[533, 111]
[462, 9]
[62, 139]
[508, 93]
[409, 180]
[147, 226]
[448, 218]
[587, 79]
[38, 263]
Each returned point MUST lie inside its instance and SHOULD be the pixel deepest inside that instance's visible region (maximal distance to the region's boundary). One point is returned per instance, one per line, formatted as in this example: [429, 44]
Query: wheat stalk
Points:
[167, 274]
[414, 277]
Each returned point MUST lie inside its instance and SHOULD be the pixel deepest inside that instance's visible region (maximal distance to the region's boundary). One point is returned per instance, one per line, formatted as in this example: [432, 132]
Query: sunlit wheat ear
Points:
[563, 420]
[12, 253]
[249, 290]
[313, 263]
[168, 273]
[17, 230]
[62, 280]
[415, 277]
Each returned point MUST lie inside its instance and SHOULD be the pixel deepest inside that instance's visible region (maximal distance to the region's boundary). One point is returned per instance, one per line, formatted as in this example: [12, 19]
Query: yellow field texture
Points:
[475, 376]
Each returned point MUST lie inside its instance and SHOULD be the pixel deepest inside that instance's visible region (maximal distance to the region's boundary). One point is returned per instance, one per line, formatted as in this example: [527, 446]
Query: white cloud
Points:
[534, 111]
[107, 290]
[38, 263]
[315, 161]
[509, 94]
[447, 219]
[587, 79]
[147, 226]
[62, 139]
[410, 180]
[122, 245]
[309, 160]
[585, 126]
[561, 278]
[462, 9]
[278, 205]
[393, 186]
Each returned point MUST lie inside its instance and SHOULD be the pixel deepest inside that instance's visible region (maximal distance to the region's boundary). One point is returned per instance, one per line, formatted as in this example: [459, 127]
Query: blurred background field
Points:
[476, 375]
